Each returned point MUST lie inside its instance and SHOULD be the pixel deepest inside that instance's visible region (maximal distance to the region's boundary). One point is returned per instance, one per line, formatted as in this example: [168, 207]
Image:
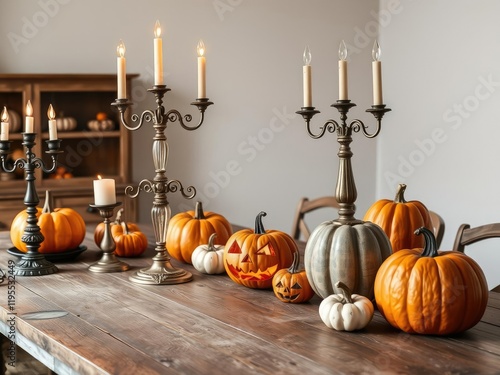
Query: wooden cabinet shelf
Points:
[86, 153]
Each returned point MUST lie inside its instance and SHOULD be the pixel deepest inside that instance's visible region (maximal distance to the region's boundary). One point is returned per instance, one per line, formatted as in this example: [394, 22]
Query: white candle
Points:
[307, 82]
[104, 191]
[52, 123]
[343, 72]
[202, 93]
[377, 75]
[4, 132]
[121, 71]
[158, 58]
[29, 126]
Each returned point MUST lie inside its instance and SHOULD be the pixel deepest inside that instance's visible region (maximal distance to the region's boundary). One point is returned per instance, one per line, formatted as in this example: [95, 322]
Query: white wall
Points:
[254, 76]
[442, 70]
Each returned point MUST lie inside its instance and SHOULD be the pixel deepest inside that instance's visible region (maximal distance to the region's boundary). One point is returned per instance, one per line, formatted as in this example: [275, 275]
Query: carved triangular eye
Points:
[280, 284]
[267, 250]
[235, 248]
[296, 286]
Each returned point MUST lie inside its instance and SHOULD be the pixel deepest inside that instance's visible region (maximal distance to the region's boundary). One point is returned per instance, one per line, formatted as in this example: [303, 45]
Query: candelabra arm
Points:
[145, 185]
[19, 163]
[122, 105]
[174, 185]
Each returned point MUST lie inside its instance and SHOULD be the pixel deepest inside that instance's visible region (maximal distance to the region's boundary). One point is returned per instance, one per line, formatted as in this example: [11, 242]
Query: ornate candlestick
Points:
[161, 271]
[32, 263]
[108, 261]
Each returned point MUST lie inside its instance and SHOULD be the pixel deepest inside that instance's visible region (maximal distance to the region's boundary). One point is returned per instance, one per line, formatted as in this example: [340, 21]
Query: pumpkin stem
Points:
[400, 194]
[259, 227]
[211, 242]
[198, 211]
[430, 245]
[47, 205]
[118, 218]
[294, 268]
[125, 227]
[346, 292]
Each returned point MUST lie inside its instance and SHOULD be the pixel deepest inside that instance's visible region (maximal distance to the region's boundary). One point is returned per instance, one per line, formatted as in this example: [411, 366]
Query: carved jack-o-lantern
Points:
[252, 258]
[291, 285]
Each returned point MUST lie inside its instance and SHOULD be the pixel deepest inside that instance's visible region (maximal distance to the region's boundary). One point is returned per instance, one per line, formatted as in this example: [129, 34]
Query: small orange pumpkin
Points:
[129, 243]
[188, 230]
[252, 257]
[399, 218]
[62, 228]
[99, 230]
[430, 291]
[291, 284]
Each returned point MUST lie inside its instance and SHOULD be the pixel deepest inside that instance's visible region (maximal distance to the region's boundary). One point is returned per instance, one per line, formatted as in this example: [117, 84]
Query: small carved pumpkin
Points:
[101, 123]
[430, 291]
[346, 311]
[188, 230]
[62, 228]
[291, 285]
[66, 124]
[252, 258]
[209, 258]
[399, 219]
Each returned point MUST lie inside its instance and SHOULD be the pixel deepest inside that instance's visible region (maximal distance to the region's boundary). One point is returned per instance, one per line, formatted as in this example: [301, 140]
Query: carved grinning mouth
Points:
[251, 275]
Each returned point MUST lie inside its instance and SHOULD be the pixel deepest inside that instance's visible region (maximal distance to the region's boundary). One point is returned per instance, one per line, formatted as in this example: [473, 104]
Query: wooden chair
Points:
[437, 227]
[306, 206]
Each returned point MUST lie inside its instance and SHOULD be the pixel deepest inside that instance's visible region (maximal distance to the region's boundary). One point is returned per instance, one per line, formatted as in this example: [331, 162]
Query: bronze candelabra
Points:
[32, 263]
[161, 271]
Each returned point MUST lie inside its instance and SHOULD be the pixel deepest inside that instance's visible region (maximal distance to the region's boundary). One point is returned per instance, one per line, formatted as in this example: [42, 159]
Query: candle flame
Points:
[29, 109]
[120, 50]
[51, 113]
[343, 51]
[307, 56]
[157, 29]
[376, 52]
[5, 115]
[200, 48]
[99, 177]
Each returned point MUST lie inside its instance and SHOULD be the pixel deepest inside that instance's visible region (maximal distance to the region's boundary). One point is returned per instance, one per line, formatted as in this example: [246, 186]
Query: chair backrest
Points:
[306, 206]
[467, 235]
[437, 227]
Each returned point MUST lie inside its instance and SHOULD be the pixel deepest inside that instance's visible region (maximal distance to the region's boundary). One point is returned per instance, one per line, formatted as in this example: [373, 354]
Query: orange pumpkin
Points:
[129, 242]
[291, 284]
[431, 292]
[62, 228]
[99, 230]
[252, 258]
[399, 218]
[188, 230]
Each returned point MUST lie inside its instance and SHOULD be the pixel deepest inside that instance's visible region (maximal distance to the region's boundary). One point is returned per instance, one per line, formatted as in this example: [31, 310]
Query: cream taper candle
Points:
[30, 121]
[307, 78]
[377, 75]
[4, 132]
[121, 65]
[158, 55]
[202, 90]
[52, 123]
[343, 86]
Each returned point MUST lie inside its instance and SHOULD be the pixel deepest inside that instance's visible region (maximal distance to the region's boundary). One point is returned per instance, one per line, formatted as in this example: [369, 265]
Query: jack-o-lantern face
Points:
[253, 258]
[291, 285]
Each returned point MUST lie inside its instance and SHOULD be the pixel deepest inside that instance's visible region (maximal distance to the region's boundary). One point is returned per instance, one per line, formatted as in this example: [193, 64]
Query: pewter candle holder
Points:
[161, 271]
[32, 263]
[108, 261]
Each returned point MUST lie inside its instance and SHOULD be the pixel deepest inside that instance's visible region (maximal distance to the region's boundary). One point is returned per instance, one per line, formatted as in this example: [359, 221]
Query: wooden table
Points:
[214, 326]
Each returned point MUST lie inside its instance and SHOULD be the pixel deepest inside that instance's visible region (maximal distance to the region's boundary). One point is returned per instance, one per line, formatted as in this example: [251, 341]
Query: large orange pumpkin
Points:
[399, 218]
[252, 257]
[431, 292]
[62, 228]
[188, 230]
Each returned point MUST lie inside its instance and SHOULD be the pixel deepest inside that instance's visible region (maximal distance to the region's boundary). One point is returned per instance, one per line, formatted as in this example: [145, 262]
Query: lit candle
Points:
[104, 191]
[29, 126]
[121, 69]
[158, 58]
[306, 71]
[377, 75]
[4, 133]
[343, 71]
[201, 70]
[52, 123]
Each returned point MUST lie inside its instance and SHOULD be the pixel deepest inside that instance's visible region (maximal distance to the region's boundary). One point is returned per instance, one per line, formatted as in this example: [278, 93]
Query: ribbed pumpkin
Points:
[349, 252]
[291, 284]
[430, 291]
[399, 219]
[62, 228]
[129, 242]
[99, 229]
[188, 230]
[252, 257]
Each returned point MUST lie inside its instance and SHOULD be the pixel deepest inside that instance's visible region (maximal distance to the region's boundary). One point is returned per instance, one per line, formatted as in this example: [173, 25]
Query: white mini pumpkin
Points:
[346, 312]
[209, 259]
[14, 121]
[65, 124]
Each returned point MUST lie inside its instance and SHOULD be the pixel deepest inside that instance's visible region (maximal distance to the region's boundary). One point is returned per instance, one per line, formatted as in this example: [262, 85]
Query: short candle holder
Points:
[108, 261]
[161, 271]
[32, 263]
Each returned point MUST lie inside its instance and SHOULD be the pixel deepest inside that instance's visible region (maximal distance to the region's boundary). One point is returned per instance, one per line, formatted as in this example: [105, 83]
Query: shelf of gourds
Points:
[416, 288]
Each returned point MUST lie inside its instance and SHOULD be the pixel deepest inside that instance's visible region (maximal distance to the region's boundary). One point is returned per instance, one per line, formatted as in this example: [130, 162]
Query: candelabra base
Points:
[108, 263]
[161, 273]
[34, 265]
